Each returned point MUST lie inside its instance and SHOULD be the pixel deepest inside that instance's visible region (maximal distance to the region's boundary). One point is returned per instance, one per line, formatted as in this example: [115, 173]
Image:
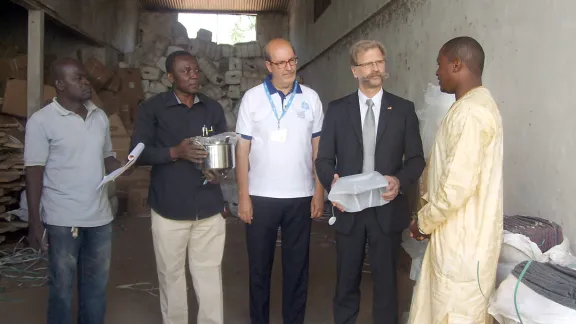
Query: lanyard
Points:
[284, 110]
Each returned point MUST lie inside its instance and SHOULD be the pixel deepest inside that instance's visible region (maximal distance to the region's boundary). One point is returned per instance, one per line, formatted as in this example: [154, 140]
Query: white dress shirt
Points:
[377, 99]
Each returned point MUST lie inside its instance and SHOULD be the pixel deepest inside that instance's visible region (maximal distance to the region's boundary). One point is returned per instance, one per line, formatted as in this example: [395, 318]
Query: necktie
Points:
[369, 138]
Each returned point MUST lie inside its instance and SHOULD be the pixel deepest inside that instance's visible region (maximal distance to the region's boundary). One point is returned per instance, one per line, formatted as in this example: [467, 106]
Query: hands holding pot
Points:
[193, 151]
[189, 150]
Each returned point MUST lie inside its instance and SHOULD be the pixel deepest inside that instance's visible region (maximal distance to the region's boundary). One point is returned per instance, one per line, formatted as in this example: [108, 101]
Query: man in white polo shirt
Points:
[67, 153]
[279, 123]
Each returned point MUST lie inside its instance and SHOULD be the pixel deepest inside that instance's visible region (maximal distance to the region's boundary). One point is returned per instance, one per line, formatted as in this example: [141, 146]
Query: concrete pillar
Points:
[35, 77]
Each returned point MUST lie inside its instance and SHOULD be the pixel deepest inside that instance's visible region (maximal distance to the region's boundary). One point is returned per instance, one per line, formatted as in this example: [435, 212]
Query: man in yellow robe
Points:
[463, 215]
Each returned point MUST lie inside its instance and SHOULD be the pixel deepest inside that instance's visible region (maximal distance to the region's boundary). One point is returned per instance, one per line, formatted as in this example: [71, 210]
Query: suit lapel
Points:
[354, 112]
[385, 115]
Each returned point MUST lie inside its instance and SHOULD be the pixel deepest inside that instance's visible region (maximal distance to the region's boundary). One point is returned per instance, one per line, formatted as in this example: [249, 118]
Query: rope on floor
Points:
[23, 265]
[141, 286]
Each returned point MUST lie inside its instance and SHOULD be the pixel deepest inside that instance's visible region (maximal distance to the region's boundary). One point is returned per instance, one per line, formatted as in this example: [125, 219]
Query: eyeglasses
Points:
[284, 64]
[378, 64]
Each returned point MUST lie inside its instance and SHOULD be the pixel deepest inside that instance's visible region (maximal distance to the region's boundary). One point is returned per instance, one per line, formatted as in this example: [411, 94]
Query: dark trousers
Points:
[382, 255]
[293, 216]
[89, 254]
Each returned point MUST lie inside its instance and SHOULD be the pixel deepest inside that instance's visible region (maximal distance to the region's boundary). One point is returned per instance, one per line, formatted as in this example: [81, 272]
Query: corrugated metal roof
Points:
[244, 6]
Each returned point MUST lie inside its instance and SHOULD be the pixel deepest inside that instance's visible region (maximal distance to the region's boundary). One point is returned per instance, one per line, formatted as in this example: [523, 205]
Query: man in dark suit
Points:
[370, 130]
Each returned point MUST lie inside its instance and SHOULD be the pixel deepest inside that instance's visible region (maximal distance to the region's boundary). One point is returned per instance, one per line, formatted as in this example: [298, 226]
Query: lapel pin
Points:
[390, 108]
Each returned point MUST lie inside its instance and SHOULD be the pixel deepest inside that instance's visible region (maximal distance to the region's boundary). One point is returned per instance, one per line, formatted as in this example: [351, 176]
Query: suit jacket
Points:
[398, 153]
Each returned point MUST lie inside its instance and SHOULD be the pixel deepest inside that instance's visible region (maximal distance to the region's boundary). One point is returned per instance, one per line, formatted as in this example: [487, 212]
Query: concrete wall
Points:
[529, 50]
[271, 25]
[154, 24]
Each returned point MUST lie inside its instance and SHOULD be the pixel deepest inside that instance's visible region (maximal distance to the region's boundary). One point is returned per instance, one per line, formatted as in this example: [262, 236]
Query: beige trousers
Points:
[204, 240]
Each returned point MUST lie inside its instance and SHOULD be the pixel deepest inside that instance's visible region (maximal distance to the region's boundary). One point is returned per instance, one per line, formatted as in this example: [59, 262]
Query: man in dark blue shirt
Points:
[186, 211]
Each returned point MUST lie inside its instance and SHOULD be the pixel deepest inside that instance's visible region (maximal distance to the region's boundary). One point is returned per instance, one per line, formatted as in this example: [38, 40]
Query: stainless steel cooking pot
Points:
[221, 156]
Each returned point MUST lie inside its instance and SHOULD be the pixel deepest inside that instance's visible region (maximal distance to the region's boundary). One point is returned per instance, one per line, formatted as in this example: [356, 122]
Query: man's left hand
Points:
[393, 188]
[317, 206]
[415, 232]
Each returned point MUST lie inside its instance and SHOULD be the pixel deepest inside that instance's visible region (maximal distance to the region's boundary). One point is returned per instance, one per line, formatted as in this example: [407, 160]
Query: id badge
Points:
[279, 135]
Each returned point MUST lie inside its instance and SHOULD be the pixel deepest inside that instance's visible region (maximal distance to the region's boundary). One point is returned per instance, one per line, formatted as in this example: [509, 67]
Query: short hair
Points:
[467, 50]
[363, 46]
[172, 57]
[57, 68]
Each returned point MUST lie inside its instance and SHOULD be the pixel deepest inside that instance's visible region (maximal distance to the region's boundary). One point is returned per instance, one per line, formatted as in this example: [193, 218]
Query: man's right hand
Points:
[189, 151]
[36, 237]
[340, 208]
[245, 209]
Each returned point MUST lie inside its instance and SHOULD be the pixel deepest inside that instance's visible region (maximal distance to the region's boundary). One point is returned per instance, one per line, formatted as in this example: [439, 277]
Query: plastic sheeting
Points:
[436, 104]
[416, 250]
[517, 248]
[360, 191]
[532, 307]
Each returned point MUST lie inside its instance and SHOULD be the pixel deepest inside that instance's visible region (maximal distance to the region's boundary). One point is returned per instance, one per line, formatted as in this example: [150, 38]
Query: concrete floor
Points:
[133, 262]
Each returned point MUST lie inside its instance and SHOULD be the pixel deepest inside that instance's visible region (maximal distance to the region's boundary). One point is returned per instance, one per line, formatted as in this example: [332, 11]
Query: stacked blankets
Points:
[551, 281]
[543, 232]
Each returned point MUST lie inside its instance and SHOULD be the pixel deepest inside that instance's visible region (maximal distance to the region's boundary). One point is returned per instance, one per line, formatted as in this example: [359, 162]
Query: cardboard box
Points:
[138, 201]
[117, 128]
[119, 137]
[124, 114]
[98, 74]
[15, 100]
[110, 102]
[17, 67]
[140, 178]
[114, 84]
[121, 146]
[131, 92]
[8, 50]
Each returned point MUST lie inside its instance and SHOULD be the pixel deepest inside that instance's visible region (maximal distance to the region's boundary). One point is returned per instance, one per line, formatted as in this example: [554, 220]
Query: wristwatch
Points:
[421, 232]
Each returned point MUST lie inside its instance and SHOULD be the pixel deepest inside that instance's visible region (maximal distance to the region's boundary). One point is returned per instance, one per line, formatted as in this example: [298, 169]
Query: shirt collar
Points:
[90, 106]
[377, 99]
[196, 98]
[273, 89]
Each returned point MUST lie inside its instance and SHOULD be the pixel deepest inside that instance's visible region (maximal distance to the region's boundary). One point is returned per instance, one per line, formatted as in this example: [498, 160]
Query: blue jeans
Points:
[89, 254]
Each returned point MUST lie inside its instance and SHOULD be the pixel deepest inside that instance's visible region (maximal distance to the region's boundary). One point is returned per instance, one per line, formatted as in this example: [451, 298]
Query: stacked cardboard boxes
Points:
[121, 92]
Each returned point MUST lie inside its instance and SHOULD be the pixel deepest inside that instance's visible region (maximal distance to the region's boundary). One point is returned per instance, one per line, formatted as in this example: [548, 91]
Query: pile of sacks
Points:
[227, 71]
[536, 276]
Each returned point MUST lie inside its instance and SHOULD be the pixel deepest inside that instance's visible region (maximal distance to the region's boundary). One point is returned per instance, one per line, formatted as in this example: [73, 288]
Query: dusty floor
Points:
[133, 262]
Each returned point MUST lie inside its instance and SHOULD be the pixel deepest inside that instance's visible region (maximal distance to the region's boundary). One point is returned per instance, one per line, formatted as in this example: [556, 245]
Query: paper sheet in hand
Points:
[132, 157]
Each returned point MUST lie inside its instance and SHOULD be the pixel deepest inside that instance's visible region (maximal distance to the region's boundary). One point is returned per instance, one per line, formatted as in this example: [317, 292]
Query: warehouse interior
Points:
[123, 45]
